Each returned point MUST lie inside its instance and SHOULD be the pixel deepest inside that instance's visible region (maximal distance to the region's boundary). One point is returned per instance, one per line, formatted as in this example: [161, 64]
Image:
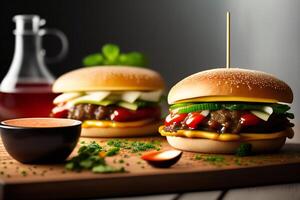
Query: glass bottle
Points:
[25, 91]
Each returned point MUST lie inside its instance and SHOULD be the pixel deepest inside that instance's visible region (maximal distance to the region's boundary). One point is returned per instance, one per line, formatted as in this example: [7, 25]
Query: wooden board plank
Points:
[189, 174]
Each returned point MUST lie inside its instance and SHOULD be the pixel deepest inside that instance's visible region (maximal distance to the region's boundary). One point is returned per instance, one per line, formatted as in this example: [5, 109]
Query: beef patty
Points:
[229, 121]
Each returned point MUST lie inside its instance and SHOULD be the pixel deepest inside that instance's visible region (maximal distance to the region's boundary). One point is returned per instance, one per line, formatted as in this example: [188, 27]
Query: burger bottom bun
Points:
[146, 130]
[220, 147]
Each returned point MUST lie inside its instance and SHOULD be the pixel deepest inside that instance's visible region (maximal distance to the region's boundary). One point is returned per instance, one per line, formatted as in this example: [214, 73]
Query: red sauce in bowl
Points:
[40, 122]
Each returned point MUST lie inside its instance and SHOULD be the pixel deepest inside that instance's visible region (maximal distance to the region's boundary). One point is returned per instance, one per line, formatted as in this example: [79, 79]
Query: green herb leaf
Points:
[133, 59]
[280, 108]
[111, 55]
[70, 166]
[87, 164]
[88, 157]
[245, 149]
[113, 151]
[198, 157]
[106, 169]
[214, 158]
[111, 52]
[290, 115]
[93, 59]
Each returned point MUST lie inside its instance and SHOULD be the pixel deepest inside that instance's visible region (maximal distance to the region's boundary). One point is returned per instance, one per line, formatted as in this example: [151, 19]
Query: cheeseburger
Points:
[111, 101]
[215, 111]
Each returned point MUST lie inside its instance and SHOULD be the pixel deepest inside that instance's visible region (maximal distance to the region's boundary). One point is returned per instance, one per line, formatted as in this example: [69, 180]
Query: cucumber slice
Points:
[266, 108]
[130, 106]
[100, 103]
[197, 107]
[239, 106]
[174, 106]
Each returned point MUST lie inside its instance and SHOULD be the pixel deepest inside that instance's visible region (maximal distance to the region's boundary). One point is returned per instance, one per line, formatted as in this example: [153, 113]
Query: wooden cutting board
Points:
[19, 181]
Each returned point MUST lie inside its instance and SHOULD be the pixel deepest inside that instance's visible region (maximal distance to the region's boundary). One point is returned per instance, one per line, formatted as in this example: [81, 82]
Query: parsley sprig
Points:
[111, 55]
[88, 158]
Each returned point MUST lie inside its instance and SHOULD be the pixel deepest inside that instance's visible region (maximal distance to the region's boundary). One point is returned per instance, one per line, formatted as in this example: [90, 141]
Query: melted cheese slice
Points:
[227, 136]
[228, 98]
[113, 124]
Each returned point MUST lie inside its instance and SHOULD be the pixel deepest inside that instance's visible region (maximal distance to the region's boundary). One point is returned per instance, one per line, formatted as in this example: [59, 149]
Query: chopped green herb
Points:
[113, 151]
[88, 158]
[238, 161]
[245, 149]
[121, 161]
[141, 146]
[107, 169]
[23, 173]
[198, 157]
[214, 159]
[134, 146]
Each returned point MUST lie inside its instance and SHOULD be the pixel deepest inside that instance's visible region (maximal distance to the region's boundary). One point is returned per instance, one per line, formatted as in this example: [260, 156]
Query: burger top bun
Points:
[233, 82]
[109, 78]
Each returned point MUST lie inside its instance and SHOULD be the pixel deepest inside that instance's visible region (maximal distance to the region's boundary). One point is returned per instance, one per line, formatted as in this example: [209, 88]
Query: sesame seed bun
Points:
[116, 78]
[235, 83]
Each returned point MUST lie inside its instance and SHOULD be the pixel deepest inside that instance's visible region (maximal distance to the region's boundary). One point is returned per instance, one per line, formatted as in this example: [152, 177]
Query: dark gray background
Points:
[180, 36]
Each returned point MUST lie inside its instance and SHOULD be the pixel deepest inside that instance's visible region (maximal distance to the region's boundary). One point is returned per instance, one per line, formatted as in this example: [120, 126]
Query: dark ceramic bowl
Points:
[40, 140]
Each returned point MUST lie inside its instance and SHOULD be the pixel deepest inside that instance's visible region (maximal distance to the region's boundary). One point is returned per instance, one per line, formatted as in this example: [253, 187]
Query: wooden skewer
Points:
[227, 40]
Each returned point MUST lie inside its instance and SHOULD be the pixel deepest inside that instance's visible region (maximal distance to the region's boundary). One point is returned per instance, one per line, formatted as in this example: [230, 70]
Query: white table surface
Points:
[273, 192]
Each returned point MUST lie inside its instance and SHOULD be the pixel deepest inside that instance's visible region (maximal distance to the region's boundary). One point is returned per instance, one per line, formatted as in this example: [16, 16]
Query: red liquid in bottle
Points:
[28, 100]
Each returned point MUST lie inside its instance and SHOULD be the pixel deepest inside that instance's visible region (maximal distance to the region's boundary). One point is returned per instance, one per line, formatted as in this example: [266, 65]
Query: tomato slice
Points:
[174, 118]
[249, 119]
[125, 115]
[194, 119]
